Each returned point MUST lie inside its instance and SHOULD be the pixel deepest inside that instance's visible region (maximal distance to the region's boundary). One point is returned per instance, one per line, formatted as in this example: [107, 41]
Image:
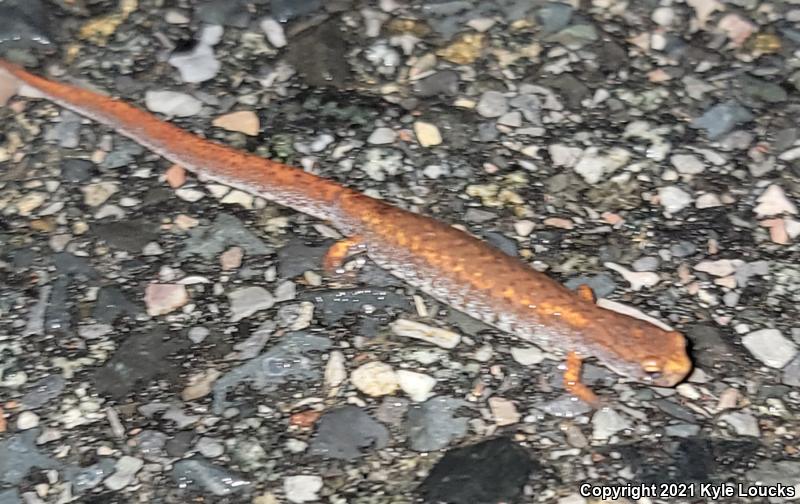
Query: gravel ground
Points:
[167, 340]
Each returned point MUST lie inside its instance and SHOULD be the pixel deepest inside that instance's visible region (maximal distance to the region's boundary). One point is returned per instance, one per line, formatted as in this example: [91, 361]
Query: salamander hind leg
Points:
[572, 381]
[337, 255]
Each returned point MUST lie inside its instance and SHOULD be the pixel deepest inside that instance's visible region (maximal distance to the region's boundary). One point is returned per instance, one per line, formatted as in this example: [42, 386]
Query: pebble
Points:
[722, 118]
[719, 268]
[382, 136]
[189, 194]
[492, 104]
[663, 16]
[606, 422]
[249, 300]
[242, 121]
[27, 420]
[770, 347]
[688, 164]
[564, 155]
[637, 279]
[30, 202]
[231, 259]
[172, 103]
[200, 385]
[375, 379]
[427, 134]
[594, 166]
[707, 200]
[303, 488]
[274, 32]
[164, 298]
[198, 64]
[210, 447]
[527, 356]
[97, 194]
[124, 473]
[736, 28]
[773, 201]
[673, 199]
[524, 227]
[504, 411]
[417, 386]
[335, 371]
[744, 424]
[434, 335]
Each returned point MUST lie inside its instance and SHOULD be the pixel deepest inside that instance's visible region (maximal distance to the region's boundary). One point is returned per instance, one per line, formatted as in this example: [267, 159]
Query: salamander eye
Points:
[651, 365]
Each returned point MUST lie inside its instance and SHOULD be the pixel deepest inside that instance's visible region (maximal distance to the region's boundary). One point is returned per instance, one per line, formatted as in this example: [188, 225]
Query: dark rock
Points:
[443, 83]
[20, 455]
[345, 432]
[76, 170]
[226, 231]
[140, 359]
[489, 472]
[198, 473]
[128, 235]
[112, 304]
[433, 424]
[296, 257]
[318, 55]
[43, 391]
[179, 444]
[334, 304]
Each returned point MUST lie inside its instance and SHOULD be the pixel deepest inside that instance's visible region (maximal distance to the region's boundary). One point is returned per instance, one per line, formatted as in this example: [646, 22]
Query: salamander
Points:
[448, 264]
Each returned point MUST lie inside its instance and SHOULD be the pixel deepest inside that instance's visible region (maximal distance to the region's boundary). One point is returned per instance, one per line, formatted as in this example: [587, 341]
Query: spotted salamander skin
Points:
[446, 263]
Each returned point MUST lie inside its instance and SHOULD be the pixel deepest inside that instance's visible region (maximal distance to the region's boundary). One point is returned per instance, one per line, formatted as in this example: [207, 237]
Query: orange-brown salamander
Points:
[444, 262]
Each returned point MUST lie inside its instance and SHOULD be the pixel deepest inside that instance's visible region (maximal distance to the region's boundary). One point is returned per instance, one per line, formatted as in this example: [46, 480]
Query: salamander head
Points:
[652, 355]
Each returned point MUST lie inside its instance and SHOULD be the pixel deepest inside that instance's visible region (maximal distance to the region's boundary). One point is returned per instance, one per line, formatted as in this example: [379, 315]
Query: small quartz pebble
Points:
[242, 121]
[382, 136]
[189, 194]
[30, 202]
[164, 298]
[637, 279]
[773, 201]
[687, 164]
[707, 200]
[674, 199]
[504, 411]
[27, 420]
[97, 194]
[527, 356]
[417, 386]
[303, 488]
[172, 103]
[770, 347]
[274, 32]
[335, 371]
[434, 335]
[427, 134]
[375, 379]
